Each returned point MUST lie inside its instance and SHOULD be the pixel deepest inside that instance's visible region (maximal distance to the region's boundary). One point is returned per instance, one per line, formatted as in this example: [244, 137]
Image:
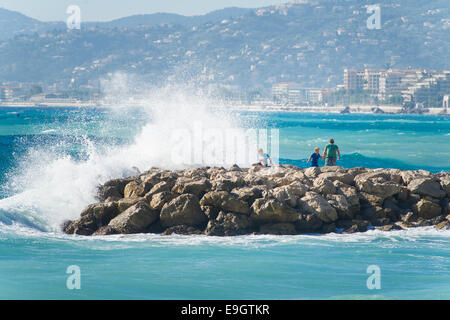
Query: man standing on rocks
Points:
[331, 154]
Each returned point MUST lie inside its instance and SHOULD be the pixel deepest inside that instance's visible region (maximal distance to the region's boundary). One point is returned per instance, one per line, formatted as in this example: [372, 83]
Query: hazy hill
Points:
[310, 42]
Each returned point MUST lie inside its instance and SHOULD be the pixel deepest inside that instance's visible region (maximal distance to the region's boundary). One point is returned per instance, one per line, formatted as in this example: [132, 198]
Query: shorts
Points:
[331, 162]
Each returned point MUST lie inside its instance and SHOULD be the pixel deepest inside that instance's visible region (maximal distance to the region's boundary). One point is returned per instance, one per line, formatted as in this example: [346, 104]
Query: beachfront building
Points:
[314, 96]
[287, 93]
[429, 90]
[291, 93]
[7, 93]
[426, 87]
[372, 80]
[353, 80]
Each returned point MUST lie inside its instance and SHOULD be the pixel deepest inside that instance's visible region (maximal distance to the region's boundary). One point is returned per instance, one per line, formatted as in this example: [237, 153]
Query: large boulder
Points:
[227, 183]
[427, 209]
[312, 172]
[163, 186]
[229, 224]
[445, 204]
[183, 210]
[160, 199]
[135, 219]
[445, 183]
[340, 203]
[225, 201]
[343, 177]
[134, 189]
[283, 194]
[351, 196]
[112, 188]
[92, 218]
[314, 203]
[194, 186]
[372, 199]
[257, 180]
[272, 211]
[382, 182]
[427, 187]
[379, 185]
[308, 223]
[299, 189]
[247, 194]
[324, 186]
[408, 176]
[124, 204]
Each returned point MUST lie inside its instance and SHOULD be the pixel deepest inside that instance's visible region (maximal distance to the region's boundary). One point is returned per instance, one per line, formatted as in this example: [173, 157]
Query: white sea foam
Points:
[51, 187]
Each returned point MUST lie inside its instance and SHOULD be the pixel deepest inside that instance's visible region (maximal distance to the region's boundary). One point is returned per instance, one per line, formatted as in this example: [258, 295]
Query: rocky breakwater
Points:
[285, 200]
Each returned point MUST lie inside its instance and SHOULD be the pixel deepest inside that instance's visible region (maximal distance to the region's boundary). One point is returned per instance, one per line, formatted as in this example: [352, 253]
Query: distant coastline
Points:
[357, 109]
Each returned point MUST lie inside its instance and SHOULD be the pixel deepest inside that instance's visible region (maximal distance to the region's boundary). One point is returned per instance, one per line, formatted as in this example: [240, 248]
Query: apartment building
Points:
[292, 93]
[353, 79]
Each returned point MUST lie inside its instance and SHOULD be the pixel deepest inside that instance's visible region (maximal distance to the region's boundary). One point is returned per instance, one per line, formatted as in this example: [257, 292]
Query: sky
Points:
[105, 10]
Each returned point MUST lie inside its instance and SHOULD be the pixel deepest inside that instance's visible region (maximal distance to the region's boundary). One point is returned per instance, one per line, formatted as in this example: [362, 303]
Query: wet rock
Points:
[210, 212]
[105, 231]
[389, 227]
[229, 224]
[182, 230]
[444, 225]
[410, 217]
[278, 229]
[92, 218]
[308, 223]
[328, 228]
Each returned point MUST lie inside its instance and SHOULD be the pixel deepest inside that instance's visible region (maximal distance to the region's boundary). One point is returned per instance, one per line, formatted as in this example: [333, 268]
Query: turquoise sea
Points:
[51, 160]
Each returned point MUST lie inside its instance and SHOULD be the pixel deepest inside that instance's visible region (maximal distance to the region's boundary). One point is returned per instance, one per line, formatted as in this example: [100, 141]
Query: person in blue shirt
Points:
[314, 158]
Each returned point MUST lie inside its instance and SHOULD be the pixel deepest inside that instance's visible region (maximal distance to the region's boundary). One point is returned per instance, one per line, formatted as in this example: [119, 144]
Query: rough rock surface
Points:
[282, 201]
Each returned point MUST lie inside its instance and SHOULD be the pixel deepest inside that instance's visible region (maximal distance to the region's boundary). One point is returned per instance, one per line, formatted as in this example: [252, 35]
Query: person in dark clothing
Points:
[314, 158]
